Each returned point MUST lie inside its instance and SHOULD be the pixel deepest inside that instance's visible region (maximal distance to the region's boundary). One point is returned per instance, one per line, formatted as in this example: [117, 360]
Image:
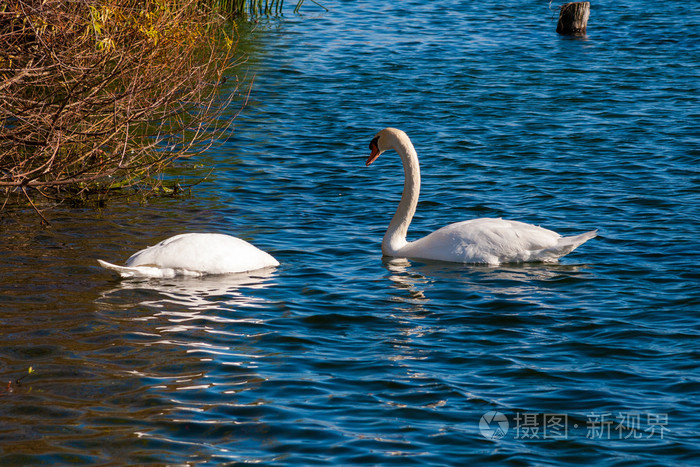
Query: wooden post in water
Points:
[573, 18]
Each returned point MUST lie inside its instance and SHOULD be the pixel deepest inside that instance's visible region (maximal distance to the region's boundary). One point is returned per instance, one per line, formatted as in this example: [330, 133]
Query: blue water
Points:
[342, 357]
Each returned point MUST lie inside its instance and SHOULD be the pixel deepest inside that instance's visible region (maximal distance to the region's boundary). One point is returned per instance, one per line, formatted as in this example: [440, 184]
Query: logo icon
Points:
[493, 425]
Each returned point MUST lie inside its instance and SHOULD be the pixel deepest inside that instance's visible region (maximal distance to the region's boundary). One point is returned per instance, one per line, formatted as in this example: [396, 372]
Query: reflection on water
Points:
[512, 280]
[212, 318]
[196, 294]
[521, 293]
[404, 279]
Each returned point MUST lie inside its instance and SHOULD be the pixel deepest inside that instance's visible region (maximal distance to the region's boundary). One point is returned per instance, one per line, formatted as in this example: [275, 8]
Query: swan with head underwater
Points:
[476, 241]
[194, 254]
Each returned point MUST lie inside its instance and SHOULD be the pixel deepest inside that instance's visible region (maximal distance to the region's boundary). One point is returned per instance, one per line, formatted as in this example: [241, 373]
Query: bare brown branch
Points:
[101, 94]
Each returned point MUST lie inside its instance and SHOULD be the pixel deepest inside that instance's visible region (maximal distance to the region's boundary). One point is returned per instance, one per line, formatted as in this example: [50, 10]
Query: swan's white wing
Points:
[195, 254]
[205, 253]
[493, 241]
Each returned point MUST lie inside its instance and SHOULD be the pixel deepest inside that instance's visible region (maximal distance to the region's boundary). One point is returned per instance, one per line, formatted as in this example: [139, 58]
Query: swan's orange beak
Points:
[373, 155]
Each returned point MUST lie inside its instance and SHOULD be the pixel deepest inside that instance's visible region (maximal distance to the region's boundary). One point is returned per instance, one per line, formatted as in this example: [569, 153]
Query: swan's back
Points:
[493, 241]
[195, 254]
[210, 252]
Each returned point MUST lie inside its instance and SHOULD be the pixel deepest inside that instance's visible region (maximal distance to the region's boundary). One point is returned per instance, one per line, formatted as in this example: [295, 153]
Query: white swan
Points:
[194, 254]
[482, 241]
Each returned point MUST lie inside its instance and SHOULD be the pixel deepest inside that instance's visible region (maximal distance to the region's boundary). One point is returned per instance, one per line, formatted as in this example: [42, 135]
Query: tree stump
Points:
[573, 18]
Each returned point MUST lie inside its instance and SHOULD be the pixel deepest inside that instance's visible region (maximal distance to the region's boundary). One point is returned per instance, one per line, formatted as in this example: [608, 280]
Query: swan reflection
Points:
[435, 301]
[182, 295]
[513, 280]
[206, 322]
[191, 345]
[405, 279]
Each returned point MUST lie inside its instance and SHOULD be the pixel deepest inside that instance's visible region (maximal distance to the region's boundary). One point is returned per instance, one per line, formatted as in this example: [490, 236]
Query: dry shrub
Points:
[99, 95]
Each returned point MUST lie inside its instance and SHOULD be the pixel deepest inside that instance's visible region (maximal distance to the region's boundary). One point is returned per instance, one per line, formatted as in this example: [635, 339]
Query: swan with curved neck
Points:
[478, 241]
[194, 254]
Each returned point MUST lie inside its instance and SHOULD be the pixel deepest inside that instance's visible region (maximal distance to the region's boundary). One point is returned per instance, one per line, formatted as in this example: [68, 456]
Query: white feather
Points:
[194, 254]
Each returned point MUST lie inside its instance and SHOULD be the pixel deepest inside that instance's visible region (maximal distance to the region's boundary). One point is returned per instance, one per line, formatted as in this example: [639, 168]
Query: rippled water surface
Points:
[341, 357]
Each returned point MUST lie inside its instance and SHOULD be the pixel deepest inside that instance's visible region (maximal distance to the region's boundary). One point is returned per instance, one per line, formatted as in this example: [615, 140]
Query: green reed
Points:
[251, 7]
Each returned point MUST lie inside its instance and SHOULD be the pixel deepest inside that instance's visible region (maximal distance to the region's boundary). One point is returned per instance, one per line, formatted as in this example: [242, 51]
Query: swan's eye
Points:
[374, 143]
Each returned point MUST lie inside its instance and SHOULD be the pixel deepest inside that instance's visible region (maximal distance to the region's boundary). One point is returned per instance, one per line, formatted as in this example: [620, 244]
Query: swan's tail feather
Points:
[566, 245]
[138, 271]
[579, 239]
[121, 270]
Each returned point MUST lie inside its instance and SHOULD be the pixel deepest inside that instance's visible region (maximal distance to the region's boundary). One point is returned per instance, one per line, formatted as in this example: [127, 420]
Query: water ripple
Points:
[341, 357]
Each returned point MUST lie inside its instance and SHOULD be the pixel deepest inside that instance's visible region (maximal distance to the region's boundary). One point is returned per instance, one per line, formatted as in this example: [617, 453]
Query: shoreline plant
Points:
[244, 8]
[97, 96]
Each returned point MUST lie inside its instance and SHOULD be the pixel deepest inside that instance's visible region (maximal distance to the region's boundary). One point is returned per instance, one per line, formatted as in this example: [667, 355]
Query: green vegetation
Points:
[240, 8]
[100, 95]
[250, 7]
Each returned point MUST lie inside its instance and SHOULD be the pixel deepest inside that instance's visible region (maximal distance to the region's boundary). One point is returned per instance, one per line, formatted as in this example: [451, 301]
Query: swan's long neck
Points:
[395, 236]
